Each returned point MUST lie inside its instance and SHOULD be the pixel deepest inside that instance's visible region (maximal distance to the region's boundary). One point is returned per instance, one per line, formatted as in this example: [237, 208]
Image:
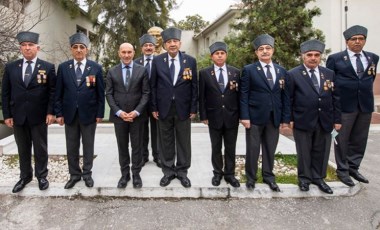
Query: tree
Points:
[119, 21]
[289, 22]
[193, 22]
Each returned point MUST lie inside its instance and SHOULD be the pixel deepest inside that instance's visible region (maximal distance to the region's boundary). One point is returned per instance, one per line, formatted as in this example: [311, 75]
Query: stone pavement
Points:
[106, 172]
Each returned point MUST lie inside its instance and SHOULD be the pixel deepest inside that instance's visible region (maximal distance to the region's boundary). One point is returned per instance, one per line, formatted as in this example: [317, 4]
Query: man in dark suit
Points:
[79, 105]
[27, 101]
[315, 112]
[147, 43]
[219, 109]
[174, 85]
[264, 105]
[355, 72]
[127, 93]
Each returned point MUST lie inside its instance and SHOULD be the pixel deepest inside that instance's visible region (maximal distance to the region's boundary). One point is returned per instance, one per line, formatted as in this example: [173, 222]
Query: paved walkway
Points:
[106, 172]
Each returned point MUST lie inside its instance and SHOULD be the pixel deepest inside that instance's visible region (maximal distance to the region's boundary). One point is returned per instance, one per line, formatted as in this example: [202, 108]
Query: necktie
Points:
[28, 73]
[359, 66]
[172, 70]
[314, 79]
[147, 65]
[78, 73]
[127, 76]
[269, 77]
[221, 80]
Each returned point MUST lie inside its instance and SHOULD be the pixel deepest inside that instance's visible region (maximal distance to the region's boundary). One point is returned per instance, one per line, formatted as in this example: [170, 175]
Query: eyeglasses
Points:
[75, 47]
[353, 39]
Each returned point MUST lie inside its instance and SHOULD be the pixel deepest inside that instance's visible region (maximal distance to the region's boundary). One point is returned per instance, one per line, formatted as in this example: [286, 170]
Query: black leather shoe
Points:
[185, 181]
[71, 182]
[232, 181]
[137, 182]
[359, 177]
[89, 182]
[123, 181]
[165, 180]
[304, 187]
[273, 186]
[21, 184]
[250, 185]
[323, 187]
[346, 180]
[158, 162]
[216, 180]
[43, 184]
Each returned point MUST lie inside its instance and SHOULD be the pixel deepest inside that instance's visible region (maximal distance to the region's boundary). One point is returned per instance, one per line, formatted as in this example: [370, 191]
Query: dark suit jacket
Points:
[185, 91]
[354, 92]
[136, 97]
[87, 98]
[257, 99]
[140, 60]
[30, 103]
[217, 107]
[309, 106]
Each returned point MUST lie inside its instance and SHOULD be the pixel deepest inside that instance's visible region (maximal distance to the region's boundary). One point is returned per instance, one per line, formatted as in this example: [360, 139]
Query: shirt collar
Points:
[176, 57]
[34, 60]
[83, 62]
[150, 56]
[124, 65]
[316, 70]
[263, 64]
[224, 67]
[352, 54]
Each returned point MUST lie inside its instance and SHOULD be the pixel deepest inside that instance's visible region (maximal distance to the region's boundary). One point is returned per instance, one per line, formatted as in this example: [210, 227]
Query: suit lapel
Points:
[347, 61]
[212, 75]
[182, 62]
[19, 72]
[71, 70]
[166, 69]
[86, 72]
[260, 70]
[306, 75]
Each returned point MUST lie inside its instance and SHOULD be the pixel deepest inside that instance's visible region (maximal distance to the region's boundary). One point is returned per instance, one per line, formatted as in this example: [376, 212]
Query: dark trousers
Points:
[153, 137]
[266, 137]
[175, 143]
[25, 135]
[74, 133]
[352, 141]
[313, 150]
[133, 131]
[229, 137]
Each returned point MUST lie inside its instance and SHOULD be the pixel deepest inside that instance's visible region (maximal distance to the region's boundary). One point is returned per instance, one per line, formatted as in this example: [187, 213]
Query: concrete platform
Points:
[106, 172]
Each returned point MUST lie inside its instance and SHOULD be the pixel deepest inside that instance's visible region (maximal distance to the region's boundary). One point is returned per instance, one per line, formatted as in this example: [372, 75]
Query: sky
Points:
[208, 9]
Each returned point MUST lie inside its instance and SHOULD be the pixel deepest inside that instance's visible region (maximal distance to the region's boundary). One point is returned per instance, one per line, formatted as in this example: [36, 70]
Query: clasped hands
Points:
[128, 117]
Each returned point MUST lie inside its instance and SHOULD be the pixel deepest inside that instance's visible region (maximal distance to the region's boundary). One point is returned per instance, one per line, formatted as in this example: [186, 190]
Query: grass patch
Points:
[285, 170]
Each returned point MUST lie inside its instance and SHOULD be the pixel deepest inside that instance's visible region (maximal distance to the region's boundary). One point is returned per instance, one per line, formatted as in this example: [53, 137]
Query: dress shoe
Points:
[89, 182]
[43, 184]
[232, 181]
[72, 182]
[250, 185]
[346, 180]
[323, 187]
[158, 162]
[216, 180]
[185, 181]
[21, 184]
[165, 180]
[359, 177]
[123, 181]
[304, 187]
[273, 186]
[137, 182]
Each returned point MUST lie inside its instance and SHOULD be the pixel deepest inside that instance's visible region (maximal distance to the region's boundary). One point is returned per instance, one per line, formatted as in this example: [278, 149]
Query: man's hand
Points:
[155, 115]
[60, 120]
[98, 120]
[192, 115]
[337, 127]
[50, 119]
[9, 122]
[205, 122]
[246, 123]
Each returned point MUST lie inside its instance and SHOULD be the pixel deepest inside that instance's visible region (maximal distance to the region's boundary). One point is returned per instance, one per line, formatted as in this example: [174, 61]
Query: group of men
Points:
[160, 90]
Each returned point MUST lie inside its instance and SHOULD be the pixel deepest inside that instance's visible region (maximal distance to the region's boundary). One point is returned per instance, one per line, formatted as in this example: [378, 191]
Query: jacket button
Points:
[319, 109]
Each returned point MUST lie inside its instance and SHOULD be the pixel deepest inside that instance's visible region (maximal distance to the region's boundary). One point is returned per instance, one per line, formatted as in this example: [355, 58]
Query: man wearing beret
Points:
[174, 84]
[264, 106]
[27, 100]
[219, 109]
[315, 113]
[355, 72]
[79, 105]
[127, 93]
[147, 43]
